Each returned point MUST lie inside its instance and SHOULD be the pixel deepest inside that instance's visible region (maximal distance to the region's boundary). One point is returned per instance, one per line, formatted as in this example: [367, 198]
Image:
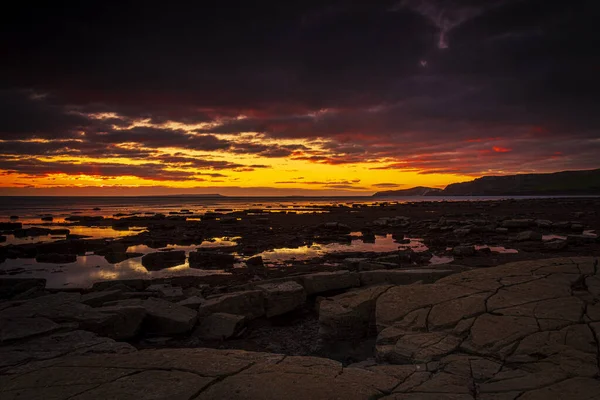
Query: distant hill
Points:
[416, 191]
[558, 183]
[554, 184]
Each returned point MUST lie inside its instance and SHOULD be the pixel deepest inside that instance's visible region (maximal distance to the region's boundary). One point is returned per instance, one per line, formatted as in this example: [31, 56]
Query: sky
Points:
[294, 98]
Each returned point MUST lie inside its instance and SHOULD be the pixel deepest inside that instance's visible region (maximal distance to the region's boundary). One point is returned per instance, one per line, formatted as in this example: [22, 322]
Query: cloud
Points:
[332, 84]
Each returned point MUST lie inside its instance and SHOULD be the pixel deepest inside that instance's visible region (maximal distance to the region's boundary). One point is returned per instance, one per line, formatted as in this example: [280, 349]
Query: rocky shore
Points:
[524, 330]
[486, 325]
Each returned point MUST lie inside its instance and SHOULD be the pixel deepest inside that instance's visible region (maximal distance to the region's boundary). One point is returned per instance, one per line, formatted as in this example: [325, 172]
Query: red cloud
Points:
[499, 149]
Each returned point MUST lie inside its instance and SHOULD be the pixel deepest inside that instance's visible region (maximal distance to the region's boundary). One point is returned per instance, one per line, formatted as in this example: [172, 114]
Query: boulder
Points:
[163, 259]
[555, 245]
[211, 260]
[96, 299]
[350, 315]
[55, 258]
[463, 251]
[192, 302]
[221, 326]
[529, 236]
[165, 318]
[249, 303]
[323, 282]
[117, 322]
[281, 298]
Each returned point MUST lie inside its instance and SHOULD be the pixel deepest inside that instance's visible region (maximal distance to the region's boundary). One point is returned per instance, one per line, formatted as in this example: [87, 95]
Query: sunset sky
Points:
[285, 98]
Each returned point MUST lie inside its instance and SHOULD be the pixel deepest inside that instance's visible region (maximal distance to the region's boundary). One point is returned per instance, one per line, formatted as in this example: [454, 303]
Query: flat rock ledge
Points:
[527, 330]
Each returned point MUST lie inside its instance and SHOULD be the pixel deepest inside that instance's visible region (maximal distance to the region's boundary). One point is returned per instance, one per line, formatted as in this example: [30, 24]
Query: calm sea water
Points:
[34, 207]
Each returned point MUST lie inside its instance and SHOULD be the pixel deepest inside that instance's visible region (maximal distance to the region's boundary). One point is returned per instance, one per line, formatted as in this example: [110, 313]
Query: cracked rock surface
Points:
[526, 330]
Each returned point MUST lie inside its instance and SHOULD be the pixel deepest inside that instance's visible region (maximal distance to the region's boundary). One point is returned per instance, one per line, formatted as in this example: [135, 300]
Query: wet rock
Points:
[462, 232]
[136, 284]
[281, 298]
[10, 287]
[398, 221]
[221, 326]
[211, 260]
[582, 239]
[117, 322]
[163, 259]
[9, 226]
[329, 281]
[249, 303]
[555, 245]
[168, 292]
[55, 258]
[84, 218]
[350, 315]
[463, 251]
[334, 227]
[577, 227]
[192, 302]
[163, 317]
[115, 258]
[32, 232]
[96, 299]
[517, 223]
[543, 223]
[529, 236]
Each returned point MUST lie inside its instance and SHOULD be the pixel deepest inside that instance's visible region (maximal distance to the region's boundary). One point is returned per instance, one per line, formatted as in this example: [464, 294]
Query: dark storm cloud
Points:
[33, 167]
[406, 84]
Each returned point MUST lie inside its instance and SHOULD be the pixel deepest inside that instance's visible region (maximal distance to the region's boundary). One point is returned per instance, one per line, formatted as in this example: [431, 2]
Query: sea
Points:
[29, 208]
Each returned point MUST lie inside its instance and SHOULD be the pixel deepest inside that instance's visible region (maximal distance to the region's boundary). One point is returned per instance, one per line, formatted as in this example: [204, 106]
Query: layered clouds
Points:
[350, 97]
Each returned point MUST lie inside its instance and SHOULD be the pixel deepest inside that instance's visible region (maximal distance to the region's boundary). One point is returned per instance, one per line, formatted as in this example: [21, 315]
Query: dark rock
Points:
[248, 303]
[329, 281]
[281, 298]
[463, 251]
[9, 226]
[529, 236]
[221, 326]
[10, 287]
[163, 259]
[32, 232]
[55, 258]
[211, 260]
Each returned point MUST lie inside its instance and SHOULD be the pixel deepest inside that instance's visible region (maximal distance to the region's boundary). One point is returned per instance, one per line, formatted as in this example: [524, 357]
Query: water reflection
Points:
[93, 232]
[92, 268]
[382, 244]
[497, 249]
